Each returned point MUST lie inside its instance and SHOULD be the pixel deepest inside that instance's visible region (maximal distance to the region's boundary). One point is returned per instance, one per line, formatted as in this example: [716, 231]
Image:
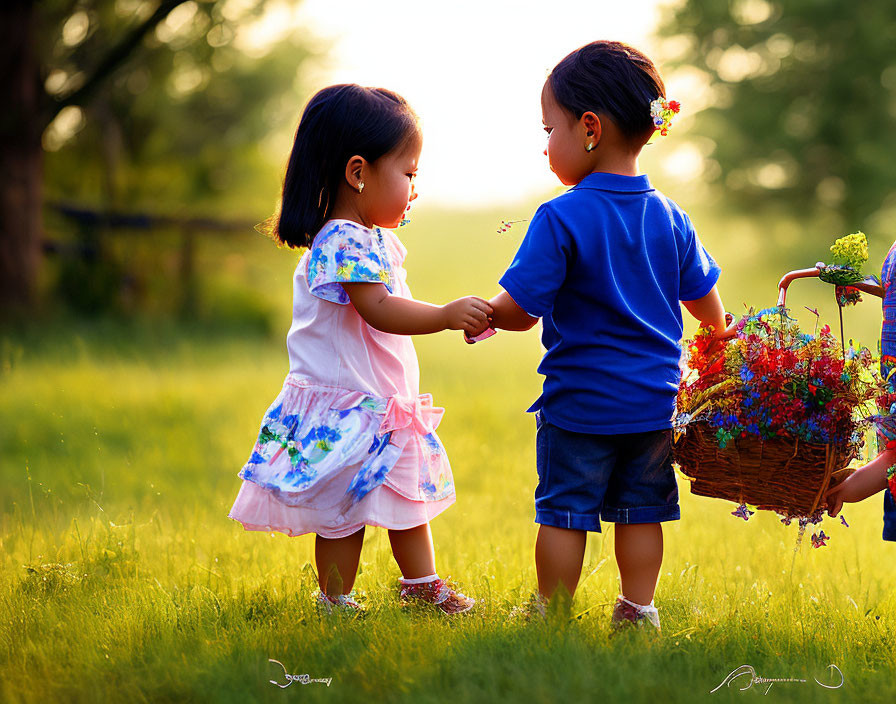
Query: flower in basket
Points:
[772, 380]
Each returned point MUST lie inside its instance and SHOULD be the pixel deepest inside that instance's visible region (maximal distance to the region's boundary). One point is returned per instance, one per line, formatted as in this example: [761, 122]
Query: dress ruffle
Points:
[257, 509]
[327, 448]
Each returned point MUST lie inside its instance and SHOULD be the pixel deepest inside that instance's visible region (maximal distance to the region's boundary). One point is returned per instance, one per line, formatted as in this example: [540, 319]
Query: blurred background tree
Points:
[134, 104]
[802, 102]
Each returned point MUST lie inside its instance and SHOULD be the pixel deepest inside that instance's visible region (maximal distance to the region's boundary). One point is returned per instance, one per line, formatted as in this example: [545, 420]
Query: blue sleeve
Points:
[539, 267]
[699, 271]
[346, 253]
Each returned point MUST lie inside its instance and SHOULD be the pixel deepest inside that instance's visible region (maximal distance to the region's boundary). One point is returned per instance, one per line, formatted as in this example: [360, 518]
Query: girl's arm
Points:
[507, 315]
[403, 316]
[710, 311]
[864, 482]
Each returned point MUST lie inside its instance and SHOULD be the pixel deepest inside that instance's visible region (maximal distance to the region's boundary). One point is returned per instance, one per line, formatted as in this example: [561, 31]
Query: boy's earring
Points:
[360, 186]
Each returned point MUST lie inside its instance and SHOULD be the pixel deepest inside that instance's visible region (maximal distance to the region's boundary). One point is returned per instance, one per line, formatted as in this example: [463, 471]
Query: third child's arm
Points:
[507, 315]
[403, 316]
[864, 482]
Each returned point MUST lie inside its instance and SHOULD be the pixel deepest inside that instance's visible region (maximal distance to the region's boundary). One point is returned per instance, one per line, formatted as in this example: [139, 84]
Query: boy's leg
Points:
[639, 554]
[559, 553]
[337, 562]
[413, 551]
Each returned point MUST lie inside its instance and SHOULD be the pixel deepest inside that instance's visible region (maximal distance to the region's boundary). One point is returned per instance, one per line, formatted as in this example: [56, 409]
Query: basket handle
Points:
[789, 278]
[868, 285]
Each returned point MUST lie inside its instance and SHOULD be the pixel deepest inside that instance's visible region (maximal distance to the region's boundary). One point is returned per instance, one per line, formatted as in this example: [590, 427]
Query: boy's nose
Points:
[545, 151]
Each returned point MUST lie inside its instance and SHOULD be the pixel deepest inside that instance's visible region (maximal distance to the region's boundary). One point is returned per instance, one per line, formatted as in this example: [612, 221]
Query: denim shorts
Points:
[889, 516]
[582, 478]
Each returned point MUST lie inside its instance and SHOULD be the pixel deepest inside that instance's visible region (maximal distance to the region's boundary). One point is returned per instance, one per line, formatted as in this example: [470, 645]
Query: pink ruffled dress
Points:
[349, 441]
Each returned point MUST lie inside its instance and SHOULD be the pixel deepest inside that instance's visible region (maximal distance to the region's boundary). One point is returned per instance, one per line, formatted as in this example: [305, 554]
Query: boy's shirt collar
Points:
[602, 181]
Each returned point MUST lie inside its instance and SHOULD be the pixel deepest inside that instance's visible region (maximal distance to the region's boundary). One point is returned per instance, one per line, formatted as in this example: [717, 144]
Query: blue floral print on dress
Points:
[347, 253]
[334, 428]
[436, 481]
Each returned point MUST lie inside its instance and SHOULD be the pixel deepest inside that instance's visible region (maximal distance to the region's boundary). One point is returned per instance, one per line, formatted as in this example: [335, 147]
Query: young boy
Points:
[605, 266]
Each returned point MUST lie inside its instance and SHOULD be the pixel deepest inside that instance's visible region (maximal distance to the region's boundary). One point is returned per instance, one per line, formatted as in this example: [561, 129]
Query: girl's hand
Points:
[470, 314]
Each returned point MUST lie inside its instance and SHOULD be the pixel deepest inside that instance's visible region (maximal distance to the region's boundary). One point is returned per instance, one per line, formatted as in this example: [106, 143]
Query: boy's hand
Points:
[470, 314]
[726, 334]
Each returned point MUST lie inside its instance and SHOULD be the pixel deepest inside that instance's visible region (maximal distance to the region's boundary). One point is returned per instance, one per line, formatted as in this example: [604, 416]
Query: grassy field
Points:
[122, 579]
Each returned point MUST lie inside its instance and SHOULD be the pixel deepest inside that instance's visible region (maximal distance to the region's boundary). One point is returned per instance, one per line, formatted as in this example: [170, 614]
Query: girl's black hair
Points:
[609, 78]
[338, 123]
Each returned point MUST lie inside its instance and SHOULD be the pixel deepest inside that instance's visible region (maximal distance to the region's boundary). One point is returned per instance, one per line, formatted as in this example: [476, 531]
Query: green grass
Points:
[122, 579]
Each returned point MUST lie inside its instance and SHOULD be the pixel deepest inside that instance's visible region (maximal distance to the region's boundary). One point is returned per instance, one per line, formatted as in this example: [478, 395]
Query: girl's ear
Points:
[591, 123]
[354, 172]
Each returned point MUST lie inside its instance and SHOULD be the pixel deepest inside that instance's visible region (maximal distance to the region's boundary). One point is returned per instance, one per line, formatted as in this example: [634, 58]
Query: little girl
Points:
[350, 441]
[605, 266]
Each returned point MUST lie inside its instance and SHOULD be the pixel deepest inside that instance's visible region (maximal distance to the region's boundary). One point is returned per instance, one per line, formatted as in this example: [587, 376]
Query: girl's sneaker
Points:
[439, 593]
[627, 613]
[344, 603]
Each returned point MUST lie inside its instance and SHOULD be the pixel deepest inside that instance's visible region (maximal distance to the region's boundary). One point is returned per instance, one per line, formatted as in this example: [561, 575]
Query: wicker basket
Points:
[787, 476]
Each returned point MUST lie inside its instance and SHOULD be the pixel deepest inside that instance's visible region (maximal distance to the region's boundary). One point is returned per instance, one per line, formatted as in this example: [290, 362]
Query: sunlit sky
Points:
[472, 70]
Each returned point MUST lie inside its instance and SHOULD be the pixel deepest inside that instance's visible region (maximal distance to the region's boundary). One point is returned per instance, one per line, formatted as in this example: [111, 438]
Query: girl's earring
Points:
[360, 186]
[589, 146]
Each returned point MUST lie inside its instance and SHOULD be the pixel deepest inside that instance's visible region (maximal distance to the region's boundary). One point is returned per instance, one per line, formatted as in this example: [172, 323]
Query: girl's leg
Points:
[639, 554]
[413, 551]
[337, 562]
[559, 553]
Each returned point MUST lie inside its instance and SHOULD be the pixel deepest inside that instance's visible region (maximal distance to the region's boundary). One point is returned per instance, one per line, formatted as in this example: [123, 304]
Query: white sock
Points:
[643, 608]
[420, 580]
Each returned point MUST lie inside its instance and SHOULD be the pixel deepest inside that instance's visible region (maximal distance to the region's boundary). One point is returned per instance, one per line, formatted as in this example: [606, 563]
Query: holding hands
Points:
[470, 314]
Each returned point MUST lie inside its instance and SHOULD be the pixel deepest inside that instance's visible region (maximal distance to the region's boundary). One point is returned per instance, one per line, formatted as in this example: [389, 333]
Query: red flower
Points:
[674, 106]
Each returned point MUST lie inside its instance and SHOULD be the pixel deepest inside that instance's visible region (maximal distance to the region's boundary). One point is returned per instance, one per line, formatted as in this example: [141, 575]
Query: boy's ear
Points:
[354, 171]
[591, 123]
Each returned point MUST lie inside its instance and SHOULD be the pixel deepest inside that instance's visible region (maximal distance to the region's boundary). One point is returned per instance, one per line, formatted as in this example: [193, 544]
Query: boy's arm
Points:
[507, 315]
[403, 316]
[710, 311]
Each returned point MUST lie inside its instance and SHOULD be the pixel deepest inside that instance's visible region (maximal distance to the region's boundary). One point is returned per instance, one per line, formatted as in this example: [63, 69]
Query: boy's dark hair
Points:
[339, 122]
[609, 78]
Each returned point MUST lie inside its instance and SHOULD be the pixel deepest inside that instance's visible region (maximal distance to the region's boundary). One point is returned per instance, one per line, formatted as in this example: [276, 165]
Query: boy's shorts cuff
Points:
[567, 519]
[643, 514]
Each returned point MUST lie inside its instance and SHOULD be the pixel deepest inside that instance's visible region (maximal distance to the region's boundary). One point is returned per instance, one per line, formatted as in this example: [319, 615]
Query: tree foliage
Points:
[803, 100]
[178, 124]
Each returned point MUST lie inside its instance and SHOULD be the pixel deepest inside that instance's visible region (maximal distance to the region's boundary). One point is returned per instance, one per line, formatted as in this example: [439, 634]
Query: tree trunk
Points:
[21, 156]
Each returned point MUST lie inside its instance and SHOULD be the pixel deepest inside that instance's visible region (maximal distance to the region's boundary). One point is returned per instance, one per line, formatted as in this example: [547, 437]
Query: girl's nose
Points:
[413, 195]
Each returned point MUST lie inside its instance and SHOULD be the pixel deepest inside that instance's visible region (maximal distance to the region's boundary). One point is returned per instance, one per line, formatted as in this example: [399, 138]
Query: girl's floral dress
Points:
[349, 441]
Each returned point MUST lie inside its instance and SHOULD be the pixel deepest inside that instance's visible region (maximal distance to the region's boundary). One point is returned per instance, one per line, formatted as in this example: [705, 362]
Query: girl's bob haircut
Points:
[609, 78]
[338, 123]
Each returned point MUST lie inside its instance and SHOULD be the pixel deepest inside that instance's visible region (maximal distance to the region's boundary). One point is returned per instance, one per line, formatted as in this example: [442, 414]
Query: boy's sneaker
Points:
[344, 603]
[437, 592]
[627, 614]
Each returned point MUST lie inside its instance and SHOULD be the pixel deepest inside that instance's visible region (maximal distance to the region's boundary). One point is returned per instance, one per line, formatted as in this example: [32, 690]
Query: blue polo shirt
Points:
[604, 266]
